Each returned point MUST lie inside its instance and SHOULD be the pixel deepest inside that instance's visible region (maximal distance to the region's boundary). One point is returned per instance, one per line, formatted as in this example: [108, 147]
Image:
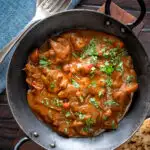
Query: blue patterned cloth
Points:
[14, 15]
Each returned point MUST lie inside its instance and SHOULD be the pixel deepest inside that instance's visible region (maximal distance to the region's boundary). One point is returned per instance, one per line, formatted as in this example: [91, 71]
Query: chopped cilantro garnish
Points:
[92, 70]
[93, 59]
[68, 122]
[107, 40]
[108, 82]
[113, 124]
[115, 60]
[94, 102]
[123, 52]
[90, 49]
[100, 94]
[65, 130]
[75, 84]
[105, 118]
[89, 122]
[111, 103]
[68, 114]
[113, 52]
[103, 49]
[85, 129]
[45, 101]
[44, 62]
[92, 73]
[107, 68]
[93, 84]
[57, 102]
[52, 85]
[120, 67]
[80, 115]
[129, 78]
[81, 99]
[106, 54]
[75, 55]
[59, 67]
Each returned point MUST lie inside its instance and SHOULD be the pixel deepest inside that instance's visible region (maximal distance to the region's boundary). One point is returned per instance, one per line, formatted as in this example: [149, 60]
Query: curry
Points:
[80, 82]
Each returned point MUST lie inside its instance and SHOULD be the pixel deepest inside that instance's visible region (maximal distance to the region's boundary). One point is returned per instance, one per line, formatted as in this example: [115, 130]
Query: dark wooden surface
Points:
[10, 133]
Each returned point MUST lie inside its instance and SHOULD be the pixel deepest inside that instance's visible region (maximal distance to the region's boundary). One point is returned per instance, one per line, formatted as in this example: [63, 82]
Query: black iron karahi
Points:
[54, 25]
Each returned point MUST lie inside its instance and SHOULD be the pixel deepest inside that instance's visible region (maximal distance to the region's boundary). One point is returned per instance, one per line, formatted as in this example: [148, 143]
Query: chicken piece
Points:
[122, 97]
[77, 123]
[78, 41]
[101, 81]
[89, 110]
[34, 57]
[85, 81]
[62, 49]
[31, 69]
[101, 48]
[55, 80]
[117, 79]
[127, 61]
[68, 92]
[108, 113]
[74, 105]
[48, 53]
[34, 77]
[130, 88]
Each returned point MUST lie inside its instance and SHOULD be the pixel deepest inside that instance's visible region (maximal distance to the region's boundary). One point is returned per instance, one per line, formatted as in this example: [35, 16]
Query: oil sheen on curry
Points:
[80, 82]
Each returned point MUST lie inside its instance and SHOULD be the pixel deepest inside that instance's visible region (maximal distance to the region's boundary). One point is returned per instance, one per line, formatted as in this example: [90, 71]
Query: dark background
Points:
[10, 133]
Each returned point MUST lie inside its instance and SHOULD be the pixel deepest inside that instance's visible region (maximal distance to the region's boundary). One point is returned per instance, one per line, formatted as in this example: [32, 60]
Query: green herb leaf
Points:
[111, 103]
[65, 130]
[80, 115]
[75, 84]
[106, 54]
[108, 82]
[92, 73]
[123, 52]
[89, 122]
[107, 40]
[113, 125]
[93, 59]
[68, 114]
[129, 78]
[81, 99]
[85, 129]
[57, 102]
[94, 102]
[113, 52]
[105, 118]
[100, 94]
[44, 62]
[115, 60]
[103, 49]
[52, 85]
[59, 67]
[75, 55]
[45, 101]
[93, 84]
[68, 122]
[107, 68]
[120, 67]
[90, 49]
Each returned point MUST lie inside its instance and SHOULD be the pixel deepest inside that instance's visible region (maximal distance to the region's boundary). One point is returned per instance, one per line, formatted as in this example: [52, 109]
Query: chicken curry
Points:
[80, 82]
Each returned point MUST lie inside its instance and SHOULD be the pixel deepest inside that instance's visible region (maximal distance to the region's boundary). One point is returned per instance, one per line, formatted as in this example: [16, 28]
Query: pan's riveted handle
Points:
[137, 21]
[21, 142]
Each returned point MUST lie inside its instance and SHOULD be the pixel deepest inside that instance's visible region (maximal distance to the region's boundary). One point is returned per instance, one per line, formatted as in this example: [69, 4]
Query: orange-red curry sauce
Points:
[81, 82]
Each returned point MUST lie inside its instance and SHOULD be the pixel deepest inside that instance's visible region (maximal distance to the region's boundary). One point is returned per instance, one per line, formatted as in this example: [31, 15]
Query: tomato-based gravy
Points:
[80, 82]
